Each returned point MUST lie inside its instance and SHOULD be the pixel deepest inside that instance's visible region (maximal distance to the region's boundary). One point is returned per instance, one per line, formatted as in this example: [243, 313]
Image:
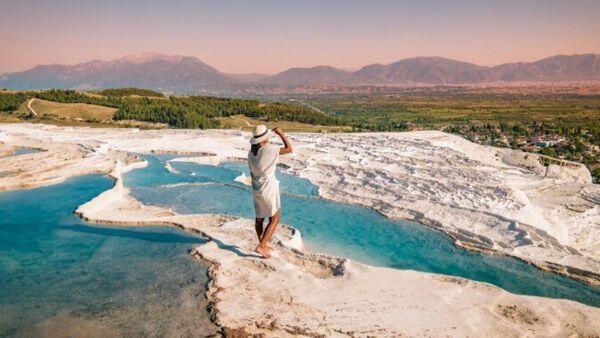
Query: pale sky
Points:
[271, 36]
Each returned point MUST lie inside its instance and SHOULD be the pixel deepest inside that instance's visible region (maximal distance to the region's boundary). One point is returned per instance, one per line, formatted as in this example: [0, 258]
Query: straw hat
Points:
[260, 133]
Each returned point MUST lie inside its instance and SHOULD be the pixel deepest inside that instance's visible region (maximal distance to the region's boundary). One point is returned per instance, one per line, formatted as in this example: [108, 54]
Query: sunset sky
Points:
[271, 36]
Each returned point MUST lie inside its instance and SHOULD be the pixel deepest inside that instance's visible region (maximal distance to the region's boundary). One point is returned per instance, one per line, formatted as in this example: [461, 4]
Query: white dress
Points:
[265, 187]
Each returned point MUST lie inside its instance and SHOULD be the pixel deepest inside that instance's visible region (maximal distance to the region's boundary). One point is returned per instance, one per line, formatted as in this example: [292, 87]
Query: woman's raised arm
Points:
[287, 147]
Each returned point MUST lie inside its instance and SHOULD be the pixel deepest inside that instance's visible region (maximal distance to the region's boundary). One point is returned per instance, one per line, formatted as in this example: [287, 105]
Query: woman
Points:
[262, 161]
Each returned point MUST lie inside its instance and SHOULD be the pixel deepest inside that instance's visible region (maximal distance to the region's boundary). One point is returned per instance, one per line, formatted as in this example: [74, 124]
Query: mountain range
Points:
[188, 74]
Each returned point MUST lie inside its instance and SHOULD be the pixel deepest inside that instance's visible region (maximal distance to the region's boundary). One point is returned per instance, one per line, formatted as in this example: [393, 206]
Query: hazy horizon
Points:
[157, 54]
[269, 36]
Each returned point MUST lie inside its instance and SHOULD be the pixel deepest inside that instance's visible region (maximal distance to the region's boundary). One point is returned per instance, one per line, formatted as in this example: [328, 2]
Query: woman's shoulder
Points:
[273, 148]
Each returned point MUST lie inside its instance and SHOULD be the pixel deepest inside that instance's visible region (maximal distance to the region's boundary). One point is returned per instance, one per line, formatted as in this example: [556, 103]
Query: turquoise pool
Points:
[345, 230]
[59, 275]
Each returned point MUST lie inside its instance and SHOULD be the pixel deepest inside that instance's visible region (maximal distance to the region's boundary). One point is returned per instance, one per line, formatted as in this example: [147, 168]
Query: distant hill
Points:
[167, 73]
[442, 71]
[555, 68]
[429, 70]
[307, 76]
[149, 70]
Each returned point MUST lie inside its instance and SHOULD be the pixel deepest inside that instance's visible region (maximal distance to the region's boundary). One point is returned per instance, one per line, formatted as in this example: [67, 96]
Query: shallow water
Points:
[25, 151]
[345, 230]
[60, 276]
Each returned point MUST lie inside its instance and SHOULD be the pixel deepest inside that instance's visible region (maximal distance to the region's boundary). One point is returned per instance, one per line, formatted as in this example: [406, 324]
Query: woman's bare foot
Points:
[263, 251]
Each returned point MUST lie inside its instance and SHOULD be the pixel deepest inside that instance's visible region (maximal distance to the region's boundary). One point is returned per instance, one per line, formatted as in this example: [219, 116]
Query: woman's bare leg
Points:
[258, 225]
[262, 247]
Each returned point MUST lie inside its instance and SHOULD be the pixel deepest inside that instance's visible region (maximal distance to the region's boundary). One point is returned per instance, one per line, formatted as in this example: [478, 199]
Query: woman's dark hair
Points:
[254, 148]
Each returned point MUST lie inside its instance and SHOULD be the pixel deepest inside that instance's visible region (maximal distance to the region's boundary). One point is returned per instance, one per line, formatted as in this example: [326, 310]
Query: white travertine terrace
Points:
[486, 198]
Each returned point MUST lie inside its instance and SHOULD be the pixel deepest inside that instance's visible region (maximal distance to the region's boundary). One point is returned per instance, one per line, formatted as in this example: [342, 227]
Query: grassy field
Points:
[73, 111]
[246, 123]
[72, 114]
[438, 112]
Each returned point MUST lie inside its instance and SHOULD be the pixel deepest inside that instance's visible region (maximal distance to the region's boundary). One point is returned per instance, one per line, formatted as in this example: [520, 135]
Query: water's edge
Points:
[211, 266]
[456, 242]
[586, 277]
[80, 287]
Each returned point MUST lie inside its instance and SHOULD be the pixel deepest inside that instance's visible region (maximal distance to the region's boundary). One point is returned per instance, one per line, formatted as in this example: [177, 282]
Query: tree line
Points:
[10, 102]
[121, 92]
[176, 111]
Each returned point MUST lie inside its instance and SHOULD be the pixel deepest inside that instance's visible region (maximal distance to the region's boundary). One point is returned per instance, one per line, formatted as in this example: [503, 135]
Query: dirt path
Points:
[31, 108]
